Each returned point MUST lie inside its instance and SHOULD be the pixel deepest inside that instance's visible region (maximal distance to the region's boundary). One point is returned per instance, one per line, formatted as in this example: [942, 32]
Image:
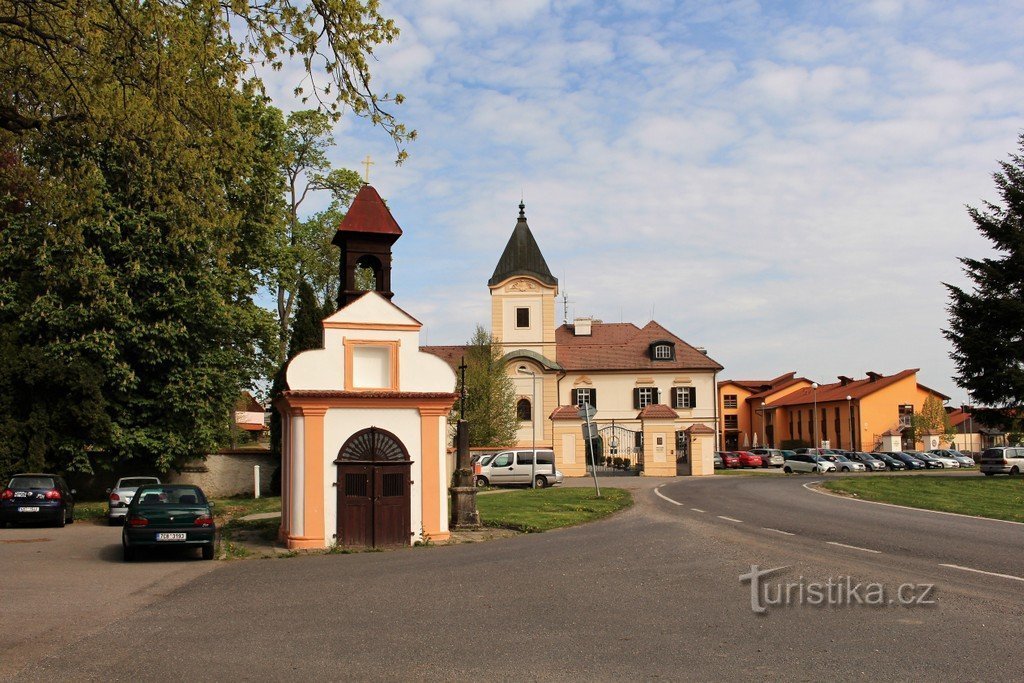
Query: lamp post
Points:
[849, 409]
[764, 437]
[533, 423]
[814, 416]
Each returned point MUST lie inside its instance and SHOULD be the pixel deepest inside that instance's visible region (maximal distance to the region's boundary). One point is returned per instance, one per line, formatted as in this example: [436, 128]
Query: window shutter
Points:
[636, 399]
[593, 397]
[693, 396]
[674, 393]
[575, 397]
[657, 395]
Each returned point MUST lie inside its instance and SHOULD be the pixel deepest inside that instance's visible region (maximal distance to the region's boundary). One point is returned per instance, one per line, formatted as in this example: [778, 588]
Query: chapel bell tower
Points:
[365, 237]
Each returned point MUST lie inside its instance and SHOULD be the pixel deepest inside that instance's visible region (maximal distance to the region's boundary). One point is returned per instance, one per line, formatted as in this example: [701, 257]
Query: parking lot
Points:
[60, 585]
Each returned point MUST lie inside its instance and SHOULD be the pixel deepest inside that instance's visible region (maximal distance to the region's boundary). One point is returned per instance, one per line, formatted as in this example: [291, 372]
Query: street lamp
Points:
[533, 423]
[814, 416]
[849, 409]
[764, 437]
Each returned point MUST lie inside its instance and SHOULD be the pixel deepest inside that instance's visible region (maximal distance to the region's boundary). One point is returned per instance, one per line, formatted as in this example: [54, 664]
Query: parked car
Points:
[910, 461]
[1002, 460]
[807, 462]
[120, 496]
[168, 515]
[933, 461]
[516, 467]
[892, 464]
[871, 463]
[965, 461]
[719, 463]
[748, 459]
[770, 457]
[844, 464]
[34, 498]
[730, 460]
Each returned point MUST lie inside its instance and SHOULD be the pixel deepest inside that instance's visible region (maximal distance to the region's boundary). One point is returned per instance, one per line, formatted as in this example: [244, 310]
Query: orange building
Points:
[873, 413]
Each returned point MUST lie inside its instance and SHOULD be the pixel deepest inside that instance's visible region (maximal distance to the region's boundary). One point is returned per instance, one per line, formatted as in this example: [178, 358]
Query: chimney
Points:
[844, 380]
[702, 350]
[581, 326]
[873, 376]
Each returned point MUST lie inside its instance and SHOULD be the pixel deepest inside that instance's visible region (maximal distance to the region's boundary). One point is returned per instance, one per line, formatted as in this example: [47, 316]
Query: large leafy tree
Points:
[141, 191]
[932, 418]
[986, 323]
[490, 394]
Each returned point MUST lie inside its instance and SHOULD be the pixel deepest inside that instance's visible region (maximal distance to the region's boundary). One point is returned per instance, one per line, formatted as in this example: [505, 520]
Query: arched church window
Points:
[524, 411]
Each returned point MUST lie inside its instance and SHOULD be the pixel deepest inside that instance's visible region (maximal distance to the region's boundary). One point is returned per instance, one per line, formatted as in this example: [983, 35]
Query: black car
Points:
[891, 463]
[929, 460]
[168, 516]
[910, 461]
[35, 498]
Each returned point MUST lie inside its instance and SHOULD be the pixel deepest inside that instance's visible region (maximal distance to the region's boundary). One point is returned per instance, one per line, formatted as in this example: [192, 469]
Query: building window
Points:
[524, 411]
[663, 352]
[732, 421]
[824, 425]
[799, 425]
[906, 416]
[838, 426]
[522, 317]
[729, 401]
[684, 397]
[581, 397]
[645, 396]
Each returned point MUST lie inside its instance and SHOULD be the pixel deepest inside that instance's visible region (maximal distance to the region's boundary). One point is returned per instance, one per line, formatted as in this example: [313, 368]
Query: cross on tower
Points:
[367, 163]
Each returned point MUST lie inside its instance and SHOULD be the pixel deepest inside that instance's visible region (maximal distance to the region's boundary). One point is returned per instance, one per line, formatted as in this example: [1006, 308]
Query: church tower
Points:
[523, 292]
[365, 237]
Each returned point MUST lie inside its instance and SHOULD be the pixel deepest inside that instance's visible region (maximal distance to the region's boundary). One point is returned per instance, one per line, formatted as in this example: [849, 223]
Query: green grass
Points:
[998, 498]
[543, 509]
[91, 510]
[233, 508]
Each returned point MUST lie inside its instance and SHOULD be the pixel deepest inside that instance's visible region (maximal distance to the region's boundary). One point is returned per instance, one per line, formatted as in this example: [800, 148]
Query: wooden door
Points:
[391, 505]
[355, 505]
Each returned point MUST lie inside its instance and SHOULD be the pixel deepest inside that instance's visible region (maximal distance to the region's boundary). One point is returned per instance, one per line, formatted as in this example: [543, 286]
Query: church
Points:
[654, 394]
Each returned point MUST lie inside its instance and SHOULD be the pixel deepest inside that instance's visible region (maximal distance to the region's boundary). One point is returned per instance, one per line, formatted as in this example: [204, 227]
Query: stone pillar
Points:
[659, 448]
[569, 446]
[464, 514]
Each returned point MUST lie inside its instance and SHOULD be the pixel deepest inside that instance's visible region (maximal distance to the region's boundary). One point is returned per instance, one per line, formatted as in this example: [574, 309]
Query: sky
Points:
[782, 183]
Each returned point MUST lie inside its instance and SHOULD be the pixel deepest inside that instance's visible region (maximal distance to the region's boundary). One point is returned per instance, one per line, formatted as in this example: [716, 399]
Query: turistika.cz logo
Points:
[842, 591]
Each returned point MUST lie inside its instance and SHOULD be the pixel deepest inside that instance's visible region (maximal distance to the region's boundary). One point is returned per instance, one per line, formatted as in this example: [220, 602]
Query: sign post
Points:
[587, 412]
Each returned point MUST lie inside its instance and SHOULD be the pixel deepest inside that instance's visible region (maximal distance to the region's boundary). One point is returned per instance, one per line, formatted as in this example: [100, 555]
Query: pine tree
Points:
[986, 324]
[490, 395]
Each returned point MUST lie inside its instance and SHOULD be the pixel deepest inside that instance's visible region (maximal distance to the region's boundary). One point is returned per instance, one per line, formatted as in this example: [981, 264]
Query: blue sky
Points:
[782, 183]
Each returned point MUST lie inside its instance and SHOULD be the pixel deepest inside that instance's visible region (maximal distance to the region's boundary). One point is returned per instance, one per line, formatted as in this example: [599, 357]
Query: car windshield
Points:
[136, 482]
[25, 483]
[840, 458]
[169, 495]
[486, 459]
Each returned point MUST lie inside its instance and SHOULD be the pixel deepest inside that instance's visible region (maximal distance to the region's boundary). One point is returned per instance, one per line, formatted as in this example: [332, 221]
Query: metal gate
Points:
[373, 490]
[621, 450]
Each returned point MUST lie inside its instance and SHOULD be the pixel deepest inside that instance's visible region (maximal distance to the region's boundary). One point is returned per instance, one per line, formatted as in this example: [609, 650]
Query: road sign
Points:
[587, 411]
[589, 431]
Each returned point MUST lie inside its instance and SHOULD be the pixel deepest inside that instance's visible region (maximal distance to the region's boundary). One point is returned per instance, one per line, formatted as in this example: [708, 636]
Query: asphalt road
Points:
[651, 593]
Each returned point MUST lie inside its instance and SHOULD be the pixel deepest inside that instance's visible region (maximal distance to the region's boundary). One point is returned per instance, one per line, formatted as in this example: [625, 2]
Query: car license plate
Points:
[33, 509]
[170, 537]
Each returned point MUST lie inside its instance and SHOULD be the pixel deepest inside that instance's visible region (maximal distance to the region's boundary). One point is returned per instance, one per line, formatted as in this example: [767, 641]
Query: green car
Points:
[168, 515]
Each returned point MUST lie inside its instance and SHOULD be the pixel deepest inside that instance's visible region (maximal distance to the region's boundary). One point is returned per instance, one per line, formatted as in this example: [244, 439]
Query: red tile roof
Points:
[452, 355]
[759, 385]
[837, 391]
[624, 346]
[368, 213]
[565, 413]
[658, 411]
[699, 428]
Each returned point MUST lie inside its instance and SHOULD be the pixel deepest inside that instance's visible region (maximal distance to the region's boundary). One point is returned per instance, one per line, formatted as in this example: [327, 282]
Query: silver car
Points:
[121, 495]
[770, 457]
[844, 464]
[871, 463]
[946, 461]
[965, 461]
[806, 462]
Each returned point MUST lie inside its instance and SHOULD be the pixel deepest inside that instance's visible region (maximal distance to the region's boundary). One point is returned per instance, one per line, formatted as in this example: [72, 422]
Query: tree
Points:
[490, 395]
[986, 324]
[932, 418]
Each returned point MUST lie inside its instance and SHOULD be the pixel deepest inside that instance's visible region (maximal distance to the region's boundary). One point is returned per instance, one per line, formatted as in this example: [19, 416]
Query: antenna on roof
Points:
[565, 303]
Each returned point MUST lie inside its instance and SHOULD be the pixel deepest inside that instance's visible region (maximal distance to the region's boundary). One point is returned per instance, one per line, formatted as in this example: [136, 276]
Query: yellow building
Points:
[873, 413]
[654, 394]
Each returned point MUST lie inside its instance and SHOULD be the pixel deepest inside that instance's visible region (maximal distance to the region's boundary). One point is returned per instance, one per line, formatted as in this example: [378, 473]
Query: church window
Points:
[524, 411]
[522, 317]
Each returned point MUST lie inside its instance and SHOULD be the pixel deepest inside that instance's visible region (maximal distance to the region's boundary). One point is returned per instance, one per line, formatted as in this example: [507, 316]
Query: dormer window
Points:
[663, 350]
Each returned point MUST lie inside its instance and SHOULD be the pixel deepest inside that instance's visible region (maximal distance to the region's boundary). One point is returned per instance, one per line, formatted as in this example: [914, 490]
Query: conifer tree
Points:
[986, 323]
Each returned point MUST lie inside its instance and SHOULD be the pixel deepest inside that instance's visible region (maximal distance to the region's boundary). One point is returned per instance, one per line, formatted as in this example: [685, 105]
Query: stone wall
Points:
[228, 473]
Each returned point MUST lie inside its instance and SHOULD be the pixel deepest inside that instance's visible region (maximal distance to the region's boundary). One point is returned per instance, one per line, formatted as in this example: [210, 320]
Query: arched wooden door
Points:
[373, 490]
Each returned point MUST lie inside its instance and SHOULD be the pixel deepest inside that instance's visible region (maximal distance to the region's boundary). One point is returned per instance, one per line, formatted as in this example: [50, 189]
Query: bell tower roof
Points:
[522, 256]
[369, 214]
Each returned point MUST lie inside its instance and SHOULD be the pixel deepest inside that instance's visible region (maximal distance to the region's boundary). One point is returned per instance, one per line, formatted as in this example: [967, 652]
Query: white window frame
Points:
[683, 398]
[662, 352]
[645, 397]
[584, 392]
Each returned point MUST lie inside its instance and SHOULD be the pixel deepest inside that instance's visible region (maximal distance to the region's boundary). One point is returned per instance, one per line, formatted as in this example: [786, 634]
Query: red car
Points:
[730, 461]
[748, 459]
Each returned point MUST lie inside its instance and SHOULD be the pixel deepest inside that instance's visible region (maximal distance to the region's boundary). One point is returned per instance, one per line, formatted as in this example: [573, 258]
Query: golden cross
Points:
[367, 163]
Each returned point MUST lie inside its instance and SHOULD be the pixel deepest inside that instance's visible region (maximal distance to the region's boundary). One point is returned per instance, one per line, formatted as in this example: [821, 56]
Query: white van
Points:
[516, 466]
[1002, 460]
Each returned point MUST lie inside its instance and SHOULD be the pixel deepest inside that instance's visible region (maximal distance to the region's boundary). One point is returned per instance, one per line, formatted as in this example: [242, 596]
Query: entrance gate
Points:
[373, 490]
[618, 445]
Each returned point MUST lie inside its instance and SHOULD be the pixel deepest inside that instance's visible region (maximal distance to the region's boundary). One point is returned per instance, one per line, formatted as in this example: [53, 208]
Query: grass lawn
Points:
[543, 509]
[999, 498]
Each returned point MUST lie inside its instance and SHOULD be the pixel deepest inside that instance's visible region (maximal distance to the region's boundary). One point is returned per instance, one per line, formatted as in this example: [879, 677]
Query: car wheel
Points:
[71, 516]
[541, 482]
[208, 552]
[787, 469]
[62, 520]
[988, 474]
[846, 469]
[1014, 472]
[481, 481]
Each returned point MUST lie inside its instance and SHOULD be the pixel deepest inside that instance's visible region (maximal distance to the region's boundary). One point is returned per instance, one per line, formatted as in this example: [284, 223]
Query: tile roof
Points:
[368, 213]
[565, 413]
[699, 428]
[759, 385]
[452, 355]
[624, 346]
[658, 411]
[522, 256]
[837, 391]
